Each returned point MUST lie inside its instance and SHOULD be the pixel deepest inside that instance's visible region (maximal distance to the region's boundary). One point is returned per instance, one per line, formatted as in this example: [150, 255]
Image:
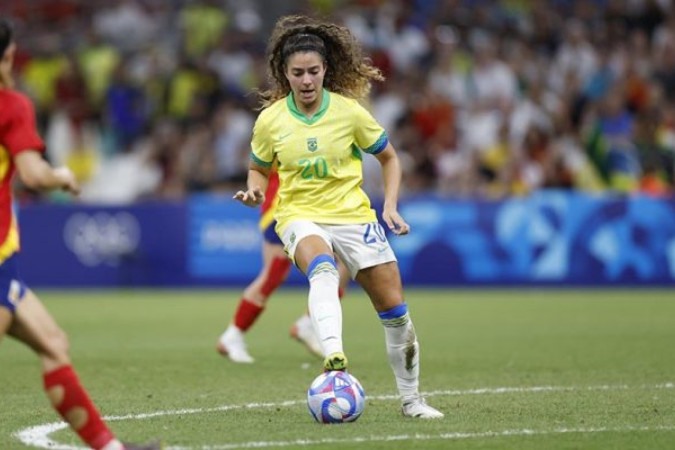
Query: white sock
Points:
[404, 354]
[324, 307]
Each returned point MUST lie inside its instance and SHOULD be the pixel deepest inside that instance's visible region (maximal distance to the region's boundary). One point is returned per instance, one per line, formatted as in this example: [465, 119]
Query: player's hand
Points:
[67, 178]
[252, 197]
[395, 222]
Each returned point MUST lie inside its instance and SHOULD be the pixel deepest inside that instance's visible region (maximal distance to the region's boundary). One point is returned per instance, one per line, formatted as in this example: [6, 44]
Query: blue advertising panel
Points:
[548, 238]
[224, 243]
[75, 245]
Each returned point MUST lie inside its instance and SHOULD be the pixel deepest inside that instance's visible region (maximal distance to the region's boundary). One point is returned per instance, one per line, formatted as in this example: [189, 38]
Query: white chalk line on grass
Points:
[424, 437]
[38, 436]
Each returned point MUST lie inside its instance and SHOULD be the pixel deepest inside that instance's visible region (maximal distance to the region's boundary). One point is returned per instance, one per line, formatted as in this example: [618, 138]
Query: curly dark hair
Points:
[5, 35]
[6, 39]
[348, 73]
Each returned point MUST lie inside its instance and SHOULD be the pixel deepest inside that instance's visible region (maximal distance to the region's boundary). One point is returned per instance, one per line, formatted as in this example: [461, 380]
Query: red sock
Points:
[246, 314]
[279, 269]
[72, 402]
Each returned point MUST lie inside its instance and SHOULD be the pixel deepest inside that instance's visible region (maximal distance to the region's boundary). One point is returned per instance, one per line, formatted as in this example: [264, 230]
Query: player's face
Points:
[305, 72]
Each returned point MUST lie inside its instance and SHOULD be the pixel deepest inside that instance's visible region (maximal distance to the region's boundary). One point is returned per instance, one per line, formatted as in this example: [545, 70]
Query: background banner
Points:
[549, 238]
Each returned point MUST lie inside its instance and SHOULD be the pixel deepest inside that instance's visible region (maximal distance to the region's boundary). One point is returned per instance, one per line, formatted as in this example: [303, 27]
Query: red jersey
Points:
[270, 204]
[18, 133]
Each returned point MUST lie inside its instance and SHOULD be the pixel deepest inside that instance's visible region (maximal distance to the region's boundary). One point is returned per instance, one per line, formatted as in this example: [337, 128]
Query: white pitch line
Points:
[424, 437]
[38, 436]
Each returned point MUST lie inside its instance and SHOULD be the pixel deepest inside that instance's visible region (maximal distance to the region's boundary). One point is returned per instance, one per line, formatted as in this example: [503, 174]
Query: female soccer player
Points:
[22, 315]
[314, 129]
[273, 273]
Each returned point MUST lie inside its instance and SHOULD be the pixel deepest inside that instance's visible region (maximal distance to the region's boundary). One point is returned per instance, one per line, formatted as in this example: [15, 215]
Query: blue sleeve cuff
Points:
[379, 145]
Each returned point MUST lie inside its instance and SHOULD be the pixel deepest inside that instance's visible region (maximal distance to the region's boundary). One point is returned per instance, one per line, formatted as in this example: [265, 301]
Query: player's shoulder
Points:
[12, 97]
[14, 103]
[346, 105]
[273, 111]
[343, 101]
[272, 119]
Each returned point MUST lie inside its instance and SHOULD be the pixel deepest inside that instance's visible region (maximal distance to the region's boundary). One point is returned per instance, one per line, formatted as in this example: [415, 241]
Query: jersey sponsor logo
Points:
[312, 144]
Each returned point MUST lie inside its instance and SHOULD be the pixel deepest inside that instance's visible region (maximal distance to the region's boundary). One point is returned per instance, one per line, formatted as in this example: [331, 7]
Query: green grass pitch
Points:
[511, 369]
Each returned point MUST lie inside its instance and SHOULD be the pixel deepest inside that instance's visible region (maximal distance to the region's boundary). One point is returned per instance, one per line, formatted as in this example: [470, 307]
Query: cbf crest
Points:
[312, 144]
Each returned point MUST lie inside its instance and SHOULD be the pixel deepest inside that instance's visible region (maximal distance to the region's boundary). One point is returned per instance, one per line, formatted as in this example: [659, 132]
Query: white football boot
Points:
[303, 331]
[417, 407]
[231, 344]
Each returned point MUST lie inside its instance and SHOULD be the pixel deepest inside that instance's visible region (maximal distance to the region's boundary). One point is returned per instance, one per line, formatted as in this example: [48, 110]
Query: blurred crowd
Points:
[155, 98]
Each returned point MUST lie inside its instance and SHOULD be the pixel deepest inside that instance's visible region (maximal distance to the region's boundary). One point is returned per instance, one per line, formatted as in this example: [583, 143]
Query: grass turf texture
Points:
[148, 351]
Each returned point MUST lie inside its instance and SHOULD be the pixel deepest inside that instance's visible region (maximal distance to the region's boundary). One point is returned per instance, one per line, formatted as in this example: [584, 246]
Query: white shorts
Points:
[358, 246]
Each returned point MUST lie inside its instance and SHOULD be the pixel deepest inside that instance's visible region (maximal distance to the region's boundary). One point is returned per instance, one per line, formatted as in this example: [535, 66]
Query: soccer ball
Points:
[335, 397]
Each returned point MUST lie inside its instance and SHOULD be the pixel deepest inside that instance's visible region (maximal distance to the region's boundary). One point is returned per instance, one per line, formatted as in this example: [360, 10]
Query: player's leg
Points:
[5, 320]
[23, 317]
[382, 283]
[345, 277]
[365, 250]
[302, 329]
[275, 270]
[35, 327]
[310, 247]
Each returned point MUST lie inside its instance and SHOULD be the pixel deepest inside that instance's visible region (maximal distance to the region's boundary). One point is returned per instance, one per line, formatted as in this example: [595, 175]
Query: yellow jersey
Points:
[318, 159]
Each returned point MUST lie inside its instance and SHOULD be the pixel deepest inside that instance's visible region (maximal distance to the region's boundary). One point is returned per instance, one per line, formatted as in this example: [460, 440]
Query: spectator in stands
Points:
[496, 62]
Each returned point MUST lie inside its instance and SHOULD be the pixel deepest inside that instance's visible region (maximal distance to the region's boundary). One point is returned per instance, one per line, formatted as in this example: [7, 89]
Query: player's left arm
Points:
[391, 175]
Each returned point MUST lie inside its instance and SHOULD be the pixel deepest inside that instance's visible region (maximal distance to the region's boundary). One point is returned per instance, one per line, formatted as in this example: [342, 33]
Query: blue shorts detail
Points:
[319, 260]
[12, 288]
[395, 312]
[271, 236]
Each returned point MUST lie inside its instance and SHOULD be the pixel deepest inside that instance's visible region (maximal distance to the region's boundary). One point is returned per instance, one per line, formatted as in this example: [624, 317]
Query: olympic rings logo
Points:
[102, 238]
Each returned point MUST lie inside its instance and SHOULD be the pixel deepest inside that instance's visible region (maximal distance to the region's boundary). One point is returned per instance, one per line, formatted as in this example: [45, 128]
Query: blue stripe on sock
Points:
[318, 260]
[395, 312]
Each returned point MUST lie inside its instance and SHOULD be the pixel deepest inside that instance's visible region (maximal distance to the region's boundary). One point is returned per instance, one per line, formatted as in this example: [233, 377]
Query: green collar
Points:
[325, 101]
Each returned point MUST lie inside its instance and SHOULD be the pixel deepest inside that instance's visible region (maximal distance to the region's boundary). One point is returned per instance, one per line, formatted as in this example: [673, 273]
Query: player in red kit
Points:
[22, 315]
[275, 270]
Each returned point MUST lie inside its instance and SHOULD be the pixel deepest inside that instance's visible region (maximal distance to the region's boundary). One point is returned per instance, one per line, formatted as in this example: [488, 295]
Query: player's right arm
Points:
[21, 139]
[38, 174]
[256, 183]
[260, 165]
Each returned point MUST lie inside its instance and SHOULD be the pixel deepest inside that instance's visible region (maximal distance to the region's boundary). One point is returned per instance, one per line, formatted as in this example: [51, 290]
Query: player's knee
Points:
[56, 348]
[322, 266]
[276, 275]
